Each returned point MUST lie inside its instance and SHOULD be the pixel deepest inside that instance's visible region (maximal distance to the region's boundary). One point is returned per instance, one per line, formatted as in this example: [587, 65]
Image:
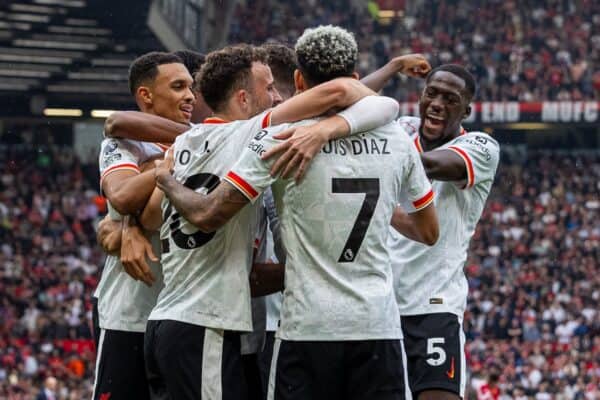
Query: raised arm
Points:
[413, 65]
[335, 94]
[143, 127]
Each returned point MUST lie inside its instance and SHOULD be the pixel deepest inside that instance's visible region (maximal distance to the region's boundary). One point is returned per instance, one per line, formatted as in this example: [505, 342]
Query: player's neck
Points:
[432, 145]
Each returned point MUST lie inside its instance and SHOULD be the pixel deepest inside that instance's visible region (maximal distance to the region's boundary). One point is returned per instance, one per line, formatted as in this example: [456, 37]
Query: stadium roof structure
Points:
[65, 54]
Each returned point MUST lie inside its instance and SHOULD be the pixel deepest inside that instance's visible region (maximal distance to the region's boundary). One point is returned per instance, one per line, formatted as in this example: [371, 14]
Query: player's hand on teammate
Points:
[109, 235]
[150, 163]
[294, 155]
[135, 248]
[164, 168]
[413, 65]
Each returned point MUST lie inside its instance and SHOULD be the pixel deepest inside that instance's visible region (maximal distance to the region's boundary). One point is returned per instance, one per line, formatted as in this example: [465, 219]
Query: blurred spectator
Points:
[534, 279]
[48, 271]
[49, 390]
[519, 51]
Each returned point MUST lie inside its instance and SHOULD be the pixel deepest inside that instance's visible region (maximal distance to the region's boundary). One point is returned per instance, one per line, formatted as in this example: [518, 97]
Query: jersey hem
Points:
[333, 337]
[212, 325]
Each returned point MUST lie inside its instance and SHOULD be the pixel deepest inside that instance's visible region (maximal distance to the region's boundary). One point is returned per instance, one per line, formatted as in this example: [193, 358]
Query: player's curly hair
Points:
[325, 53]
[282, 61]
[226, 71]
[145, 68]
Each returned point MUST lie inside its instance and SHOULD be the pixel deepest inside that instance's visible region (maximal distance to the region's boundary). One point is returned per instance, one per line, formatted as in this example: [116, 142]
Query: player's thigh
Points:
[306, 370]
[375, 370]
[120, 369]
[264, 360]
[434, 346]
[197, 362]
[156, 382]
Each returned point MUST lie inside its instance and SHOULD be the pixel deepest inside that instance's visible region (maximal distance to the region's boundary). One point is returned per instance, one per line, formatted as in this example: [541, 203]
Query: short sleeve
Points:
[118, 155]
[257, 123]
[251, 175]
[480, 153]
[416, 192]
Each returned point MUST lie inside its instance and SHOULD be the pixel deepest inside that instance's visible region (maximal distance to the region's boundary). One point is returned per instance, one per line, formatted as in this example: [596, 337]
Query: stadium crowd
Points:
[519, 51]
[532, 318]
[48, 271]
[532, 325]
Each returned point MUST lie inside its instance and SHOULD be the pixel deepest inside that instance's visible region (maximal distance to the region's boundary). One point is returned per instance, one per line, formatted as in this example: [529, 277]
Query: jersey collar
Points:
[214, 120]
[463, 131]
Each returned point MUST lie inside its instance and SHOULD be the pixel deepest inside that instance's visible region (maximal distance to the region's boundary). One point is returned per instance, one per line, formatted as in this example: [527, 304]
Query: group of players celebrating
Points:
[273, 227]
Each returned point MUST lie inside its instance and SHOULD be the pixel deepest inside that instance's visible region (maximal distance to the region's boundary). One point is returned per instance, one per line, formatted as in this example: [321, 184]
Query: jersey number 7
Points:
[370, 187]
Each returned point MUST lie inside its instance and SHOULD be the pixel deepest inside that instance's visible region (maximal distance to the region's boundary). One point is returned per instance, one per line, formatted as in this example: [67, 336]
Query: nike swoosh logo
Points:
[450, 374]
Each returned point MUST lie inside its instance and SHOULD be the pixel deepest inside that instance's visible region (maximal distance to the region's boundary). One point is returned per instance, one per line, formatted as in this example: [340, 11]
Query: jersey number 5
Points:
[370, 187]
[197, 239]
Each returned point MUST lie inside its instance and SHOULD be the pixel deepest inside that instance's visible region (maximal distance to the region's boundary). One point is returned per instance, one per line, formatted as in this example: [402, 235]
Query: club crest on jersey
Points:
[111, 146]
[111, 159]
[349, 255]
[261, 135]
[191, 242]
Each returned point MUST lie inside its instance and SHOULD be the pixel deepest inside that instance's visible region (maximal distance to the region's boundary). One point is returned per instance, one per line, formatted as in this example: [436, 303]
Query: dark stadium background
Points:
[533, 319]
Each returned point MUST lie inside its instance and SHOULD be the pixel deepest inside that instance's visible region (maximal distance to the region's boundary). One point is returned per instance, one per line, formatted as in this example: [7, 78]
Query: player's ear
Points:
[144, 95]
[355, 75]
[242, 98]
[467, 111]
[299, 81]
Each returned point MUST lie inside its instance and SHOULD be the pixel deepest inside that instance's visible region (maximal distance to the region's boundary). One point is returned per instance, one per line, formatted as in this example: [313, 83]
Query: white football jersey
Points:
[430, 279]
[124, 303]
[338, 279]
[206, 274]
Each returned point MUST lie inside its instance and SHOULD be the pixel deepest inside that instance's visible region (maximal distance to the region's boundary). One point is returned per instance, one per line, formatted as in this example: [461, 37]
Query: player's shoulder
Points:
[477, 138]
[115, 145]
[410, 124]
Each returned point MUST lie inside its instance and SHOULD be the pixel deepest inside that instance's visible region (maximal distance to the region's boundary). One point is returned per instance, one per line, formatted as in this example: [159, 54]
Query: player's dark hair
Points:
[191, 59]
[282, 61]
[461, 72]
[325, 53]
[226, 71]
[145, 68]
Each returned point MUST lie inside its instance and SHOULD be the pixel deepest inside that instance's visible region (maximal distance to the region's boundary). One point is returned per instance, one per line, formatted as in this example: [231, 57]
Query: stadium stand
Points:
[62, 53]
[48, 269]
[519, 51]
[532, 324]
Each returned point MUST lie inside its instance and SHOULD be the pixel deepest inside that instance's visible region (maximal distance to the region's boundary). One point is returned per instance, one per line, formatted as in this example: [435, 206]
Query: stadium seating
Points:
[519, 51]
[58, 50]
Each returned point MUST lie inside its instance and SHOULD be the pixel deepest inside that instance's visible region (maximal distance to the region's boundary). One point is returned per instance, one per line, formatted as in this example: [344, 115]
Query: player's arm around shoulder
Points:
[417, 219]
[206, 212]
[142, 126]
